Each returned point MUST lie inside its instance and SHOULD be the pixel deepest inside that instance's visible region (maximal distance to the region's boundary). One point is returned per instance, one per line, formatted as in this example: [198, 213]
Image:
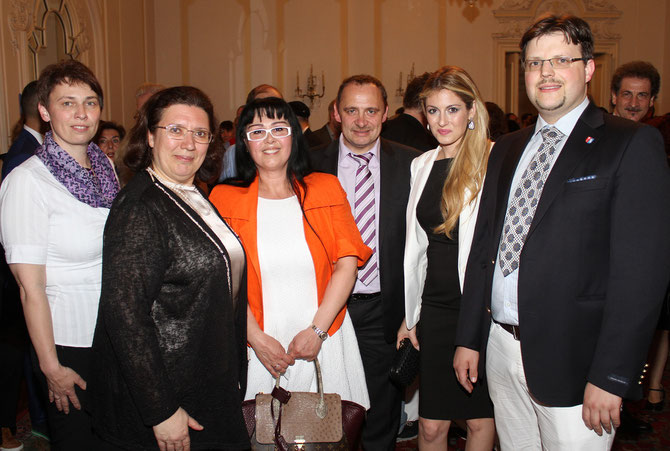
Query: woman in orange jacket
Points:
[303, 250]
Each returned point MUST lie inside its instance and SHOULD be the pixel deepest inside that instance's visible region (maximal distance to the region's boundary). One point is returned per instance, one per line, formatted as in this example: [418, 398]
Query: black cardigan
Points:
[168, 333]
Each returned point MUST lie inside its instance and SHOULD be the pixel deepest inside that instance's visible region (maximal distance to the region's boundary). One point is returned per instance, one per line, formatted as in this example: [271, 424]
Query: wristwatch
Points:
[321, 334]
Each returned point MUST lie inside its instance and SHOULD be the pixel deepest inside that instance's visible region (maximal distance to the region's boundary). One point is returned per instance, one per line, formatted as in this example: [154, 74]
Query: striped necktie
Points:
[364, 214]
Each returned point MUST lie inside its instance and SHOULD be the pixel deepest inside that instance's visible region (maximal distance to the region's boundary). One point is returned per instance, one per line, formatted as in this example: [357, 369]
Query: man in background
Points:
[635, 86]
[329, 132]
[409, 127]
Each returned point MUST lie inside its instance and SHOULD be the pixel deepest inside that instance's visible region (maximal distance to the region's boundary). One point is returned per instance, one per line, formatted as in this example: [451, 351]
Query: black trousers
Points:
[72, 431]
[383, 418]
[11, 356]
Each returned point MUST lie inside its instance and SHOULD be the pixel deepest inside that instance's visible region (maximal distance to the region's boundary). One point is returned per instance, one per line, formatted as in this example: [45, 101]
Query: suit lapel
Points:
[330, 156]
[576, 148]
[507, 170]
[387, 176]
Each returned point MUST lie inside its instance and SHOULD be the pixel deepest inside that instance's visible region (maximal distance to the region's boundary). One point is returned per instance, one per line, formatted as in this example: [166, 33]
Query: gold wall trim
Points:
[377, 30]
[184, 35]
[344, 38]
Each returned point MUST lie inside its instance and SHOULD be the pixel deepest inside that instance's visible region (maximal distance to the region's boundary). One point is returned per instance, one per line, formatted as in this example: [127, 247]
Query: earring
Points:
[428, 127]
[471, 124]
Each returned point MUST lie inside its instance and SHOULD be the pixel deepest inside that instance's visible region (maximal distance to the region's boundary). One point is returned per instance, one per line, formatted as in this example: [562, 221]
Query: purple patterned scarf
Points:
[96, 187]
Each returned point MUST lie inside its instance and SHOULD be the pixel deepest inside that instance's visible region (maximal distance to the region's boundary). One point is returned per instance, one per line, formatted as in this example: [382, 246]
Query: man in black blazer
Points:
[30, 137]
[328, 133]
[377, 305]
[570, 258]
[409, 127]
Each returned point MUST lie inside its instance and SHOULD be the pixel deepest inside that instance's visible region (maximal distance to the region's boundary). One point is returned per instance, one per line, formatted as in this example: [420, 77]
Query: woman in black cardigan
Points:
[170, 342]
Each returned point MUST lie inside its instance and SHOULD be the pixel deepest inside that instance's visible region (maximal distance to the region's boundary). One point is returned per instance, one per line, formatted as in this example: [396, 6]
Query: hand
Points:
[465, 365]
[172, 434]
[61, 382]
[306, 345]
[404, 332]
[601, 408]
[272, 355]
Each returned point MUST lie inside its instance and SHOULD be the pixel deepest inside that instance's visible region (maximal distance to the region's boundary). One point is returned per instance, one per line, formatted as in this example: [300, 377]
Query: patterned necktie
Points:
[364, 214]
[526, 196]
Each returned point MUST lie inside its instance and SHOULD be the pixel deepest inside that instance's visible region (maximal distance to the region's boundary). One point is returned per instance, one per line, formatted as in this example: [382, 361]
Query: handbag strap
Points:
[281, 396]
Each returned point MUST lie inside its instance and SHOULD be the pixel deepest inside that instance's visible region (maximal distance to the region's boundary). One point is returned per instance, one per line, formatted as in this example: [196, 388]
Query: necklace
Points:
[188, 193]
[224, 254]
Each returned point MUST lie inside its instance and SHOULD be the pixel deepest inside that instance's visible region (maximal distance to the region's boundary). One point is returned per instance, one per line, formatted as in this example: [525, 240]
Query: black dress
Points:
[441, 397]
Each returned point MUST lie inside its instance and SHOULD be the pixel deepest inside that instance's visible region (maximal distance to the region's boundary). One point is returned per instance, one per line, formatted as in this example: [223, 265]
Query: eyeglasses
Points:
[260, 134]
[558, 62]
[177, 132]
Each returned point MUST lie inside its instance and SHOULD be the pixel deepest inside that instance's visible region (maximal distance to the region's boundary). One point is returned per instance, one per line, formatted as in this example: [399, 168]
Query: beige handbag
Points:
[301, 420]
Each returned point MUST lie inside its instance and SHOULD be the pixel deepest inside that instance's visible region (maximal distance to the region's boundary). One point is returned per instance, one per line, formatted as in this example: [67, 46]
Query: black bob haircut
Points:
[298, 162]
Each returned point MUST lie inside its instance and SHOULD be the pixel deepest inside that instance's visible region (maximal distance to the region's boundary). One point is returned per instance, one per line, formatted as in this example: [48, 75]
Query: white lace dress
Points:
[289, 304]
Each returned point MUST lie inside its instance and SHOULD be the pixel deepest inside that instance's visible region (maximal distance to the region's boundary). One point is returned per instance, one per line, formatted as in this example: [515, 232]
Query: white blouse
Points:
[42, 223]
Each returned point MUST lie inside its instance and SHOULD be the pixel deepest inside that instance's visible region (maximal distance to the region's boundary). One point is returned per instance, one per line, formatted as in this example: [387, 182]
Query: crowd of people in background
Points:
[154, 280]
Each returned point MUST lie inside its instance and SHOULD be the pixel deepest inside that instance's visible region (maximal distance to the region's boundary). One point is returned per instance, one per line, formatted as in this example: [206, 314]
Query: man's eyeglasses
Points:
[558, 62]
[200, 135]
[260, 134]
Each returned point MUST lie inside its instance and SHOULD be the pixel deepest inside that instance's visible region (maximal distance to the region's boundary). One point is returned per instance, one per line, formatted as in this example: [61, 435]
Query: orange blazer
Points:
[328, 211]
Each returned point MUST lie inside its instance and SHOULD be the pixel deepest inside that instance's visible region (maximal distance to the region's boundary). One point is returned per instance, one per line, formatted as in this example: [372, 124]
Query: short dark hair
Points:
[298, 161]
[637, 69]
[575, 30]
[226, 125]
[29, 100]
[300, 109]
[412, 98]
[362, 79]
[139, 155]
[69, 72]
[258, 89]
[109, 125]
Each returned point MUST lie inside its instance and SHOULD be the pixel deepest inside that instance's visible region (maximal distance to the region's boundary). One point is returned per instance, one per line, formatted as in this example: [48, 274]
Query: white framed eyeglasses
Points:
[558, 62]
[177, 132]
[259, 134]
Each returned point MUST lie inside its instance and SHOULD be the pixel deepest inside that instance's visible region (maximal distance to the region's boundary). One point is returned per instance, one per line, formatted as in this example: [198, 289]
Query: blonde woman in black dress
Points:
[441, 215]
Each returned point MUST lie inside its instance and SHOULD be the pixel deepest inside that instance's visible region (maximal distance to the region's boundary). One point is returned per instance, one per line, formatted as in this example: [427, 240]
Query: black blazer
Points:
[318, 137]
[595, 265]
[23, 148]
[395, 160]
[406, 129]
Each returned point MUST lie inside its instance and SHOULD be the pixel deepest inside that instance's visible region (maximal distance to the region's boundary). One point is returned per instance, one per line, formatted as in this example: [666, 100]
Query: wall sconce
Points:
[311, 92]
[400, 92]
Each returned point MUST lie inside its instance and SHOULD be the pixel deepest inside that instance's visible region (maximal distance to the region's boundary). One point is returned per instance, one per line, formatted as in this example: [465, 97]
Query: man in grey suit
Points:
[570, 257]
[375, 175]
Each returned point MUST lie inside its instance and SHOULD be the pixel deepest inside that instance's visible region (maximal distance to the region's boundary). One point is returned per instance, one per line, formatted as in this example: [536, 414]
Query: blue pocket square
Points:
[581, 179]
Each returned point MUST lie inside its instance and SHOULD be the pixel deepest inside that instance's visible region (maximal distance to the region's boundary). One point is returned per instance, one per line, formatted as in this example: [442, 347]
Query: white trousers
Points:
[522, 423]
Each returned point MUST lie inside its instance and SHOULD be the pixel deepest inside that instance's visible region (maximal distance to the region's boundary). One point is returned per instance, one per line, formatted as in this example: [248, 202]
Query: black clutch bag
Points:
[405, 364]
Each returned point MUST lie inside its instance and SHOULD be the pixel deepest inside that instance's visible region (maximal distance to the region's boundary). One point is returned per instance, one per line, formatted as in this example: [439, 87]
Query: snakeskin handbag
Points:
[307, 421]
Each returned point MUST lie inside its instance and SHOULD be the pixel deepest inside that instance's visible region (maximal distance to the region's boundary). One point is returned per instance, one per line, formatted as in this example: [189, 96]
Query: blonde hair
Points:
[469, 166]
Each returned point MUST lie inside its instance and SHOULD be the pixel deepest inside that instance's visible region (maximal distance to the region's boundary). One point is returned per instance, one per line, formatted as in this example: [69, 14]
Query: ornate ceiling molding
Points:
[23, 19]
[19, 20]
[516, 15]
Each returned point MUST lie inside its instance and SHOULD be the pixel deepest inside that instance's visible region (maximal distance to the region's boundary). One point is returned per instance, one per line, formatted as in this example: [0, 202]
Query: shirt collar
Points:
[344, 152]
[566, 123]
[35, 133]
